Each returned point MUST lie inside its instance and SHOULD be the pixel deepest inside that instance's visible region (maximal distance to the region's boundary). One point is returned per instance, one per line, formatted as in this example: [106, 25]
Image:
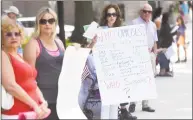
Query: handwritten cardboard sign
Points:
[123, 65]
[70, 82]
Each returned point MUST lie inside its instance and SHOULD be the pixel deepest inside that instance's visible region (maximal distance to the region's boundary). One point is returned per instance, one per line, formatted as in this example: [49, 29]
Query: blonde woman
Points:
[45, 52]
[18, 77]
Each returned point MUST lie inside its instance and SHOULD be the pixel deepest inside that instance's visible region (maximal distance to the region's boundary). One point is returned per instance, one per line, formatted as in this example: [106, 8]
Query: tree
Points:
[61, 21]
[83, 16]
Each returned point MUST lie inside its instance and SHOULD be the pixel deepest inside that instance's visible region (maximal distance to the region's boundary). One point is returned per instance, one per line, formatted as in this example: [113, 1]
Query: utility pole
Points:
[61, 21]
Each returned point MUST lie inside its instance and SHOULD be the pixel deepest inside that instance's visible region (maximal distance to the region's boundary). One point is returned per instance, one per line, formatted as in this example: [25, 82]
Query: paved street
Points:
[174, 94]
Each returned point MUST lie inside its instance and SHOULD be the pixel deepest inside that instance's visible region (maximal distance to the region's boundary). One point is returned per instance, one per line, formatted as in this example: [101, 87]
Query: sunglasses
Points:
[11, 34]
[44, 21]
[147, 11]
[111, 14]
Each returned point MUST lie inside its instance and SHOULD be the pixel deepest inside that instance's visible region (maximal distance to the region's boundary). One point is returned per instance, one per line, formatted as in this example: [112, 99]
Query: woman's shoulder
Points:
[60, 43]
[3, 53]
[32, 41]
[5, 56]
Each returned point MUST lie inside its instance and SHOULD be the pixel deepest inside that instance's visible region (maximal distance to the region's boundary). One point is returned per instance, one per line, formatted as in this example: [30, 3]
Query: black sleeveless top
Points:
[48, 68]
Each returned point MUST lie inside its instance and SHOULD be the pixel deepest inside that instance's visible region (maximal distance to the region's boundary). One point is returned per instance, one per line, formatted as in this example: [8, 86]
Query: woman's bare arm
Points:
[30, 52]
[41, 97]
[9, 83]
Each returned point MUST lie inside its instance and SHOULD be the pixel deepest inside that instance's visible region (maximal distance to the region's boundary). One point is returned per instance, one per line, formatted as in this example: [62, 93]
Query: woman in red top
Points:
[18, 77]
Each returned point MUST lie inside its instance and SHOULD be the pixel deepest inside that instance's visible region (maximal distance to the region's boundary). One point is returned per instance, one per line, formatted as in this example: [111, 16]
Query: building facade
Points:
[129, 8]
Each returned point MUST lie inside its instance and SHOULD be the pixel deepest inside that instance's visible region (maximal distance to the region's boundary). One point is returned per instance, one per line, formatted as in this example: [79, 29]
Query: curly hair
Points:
[8, 24]
[103, 20]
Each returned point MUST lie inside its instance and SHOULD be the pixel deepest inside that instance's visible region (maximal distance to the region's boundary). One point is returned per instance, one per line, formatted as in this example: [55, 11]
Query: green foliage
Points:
[68, 42]
[176, 7]
[26, 40]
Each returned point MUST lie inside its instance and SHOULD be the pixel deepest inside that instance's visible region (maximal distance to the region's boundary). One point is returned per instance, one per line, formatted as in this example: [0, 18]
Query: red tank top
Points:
[25, 76]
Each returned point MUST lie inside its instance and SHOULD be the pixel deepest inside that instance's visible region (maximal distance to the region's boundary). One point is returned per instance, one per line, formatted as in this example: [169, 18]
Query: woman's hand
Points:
[164, 50]
[39, 112]
[161, 50]
[44, 106]
[94, 40]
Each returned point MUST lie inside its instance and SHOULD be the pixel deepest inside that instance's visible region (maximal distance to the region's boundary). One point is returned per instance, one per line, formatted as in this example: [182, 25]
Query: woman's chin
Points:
[16, 45]
[48, 32]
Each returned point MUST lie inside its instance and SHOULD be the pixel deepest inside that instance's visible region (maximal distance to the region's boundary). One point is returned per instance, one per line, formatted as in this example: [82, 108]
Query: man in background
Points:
[145, 18]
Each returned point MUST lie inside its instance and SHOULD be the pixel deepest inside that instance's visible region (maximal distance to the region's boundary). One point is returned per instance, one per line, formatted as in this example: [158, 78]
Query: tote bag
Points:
[7, 99]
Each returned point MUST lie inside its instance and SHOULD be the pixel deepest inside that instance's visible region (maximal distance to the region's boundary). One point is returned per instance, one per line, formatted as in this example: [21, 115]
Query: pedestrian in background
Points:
[151, 30]
[181, 38]
[165, 41]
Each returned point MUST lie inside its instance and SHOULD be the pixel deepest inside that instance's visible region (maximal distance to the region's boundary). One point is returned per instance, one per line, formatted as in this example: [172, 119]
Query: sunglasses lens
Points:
[114, 14]
[146, 11]
[9, 34]
[108, 15]
[17, 34]
[51, 21]
[43, 21]
[111, 14]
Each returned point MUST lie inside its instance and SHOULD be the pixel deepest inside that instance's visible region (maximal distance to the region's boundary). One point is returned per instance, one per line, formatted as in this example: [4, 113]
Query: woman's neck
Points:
[46, 38]
[110, 25]
[12, 51]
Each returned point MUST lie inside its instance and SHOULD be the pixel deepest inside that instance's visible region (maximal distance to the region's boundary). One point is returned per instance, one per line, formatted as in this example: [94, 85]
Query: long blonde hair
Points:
[40, 14]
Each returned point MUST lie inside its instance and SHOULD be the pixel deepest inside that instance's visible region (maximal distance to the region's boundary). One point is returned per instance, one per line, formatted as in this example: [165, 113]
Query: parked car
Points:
[29, 24]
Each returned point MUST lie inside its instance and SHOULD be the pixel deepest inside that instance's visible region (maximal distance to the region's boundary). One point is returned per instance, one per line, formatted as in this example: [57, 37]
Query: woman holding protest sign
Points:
[111, 17]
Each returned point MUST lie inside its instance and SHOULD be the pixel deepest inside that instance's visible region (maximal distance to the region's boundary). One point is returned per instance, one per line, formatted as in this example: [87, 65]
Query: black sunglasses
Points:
[44, 21]
[147, 11]
[111, 14]
[10, 34]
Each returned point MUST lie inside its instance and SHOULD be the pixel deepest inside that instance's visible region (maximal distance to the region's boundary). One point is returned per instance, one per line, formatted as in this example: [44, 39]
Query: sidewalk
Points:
[174, 94]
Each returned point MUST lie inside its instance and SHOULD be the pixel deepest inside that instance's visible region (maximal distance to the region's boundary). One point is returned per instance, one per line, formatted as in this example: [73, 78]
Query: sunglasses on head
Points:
[111, 14]
[44, 21]
[147, 11]
[10, 34]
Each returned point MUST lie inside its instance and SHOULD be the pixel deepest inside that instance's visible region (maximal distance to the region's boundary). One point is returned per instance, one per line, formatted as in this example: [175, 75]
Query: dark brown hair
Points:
[165, 18]
[103, 20]
[182, 21]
